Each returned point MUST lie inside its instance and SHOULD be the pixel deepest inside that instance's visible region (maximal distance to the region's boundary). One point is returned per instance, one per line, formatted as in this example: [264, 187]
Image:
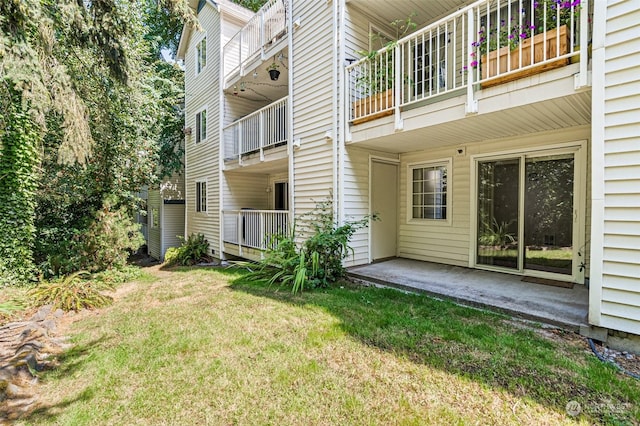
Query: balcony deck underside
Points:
[544, 102]
[275, 161]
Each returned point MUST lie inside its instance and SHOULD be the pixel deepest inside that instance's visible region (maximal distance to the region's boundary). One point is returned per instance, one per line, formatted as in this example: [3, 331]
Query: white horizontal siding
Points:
[312, 104]
[449, 242]
[616, 295]
[356, 198]
[202, 160]
[172, 226]
[244, 190]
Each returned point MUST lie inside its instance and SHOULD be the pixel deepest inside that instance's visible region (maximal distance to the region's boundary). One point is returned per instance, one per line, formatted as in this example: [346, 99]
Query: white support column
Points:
[240, 143]
[262, 38]
[397, 91]
[471, 106]
[261, 134]
[239, 230]
[262, 234]
[583, 78]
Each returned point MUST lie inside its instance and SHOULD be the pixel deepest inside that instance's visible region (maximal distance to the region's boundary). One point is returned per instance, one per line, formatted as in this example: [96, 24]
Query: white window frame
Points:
[201, 207]
[446, 163]
[375, 29]
[201, 131]
[199, 57]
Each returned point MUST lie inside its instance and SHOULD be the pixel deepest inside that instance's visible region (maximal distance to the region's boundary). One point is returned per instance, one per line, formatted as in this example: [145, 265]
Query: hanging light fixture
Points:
[255, 74]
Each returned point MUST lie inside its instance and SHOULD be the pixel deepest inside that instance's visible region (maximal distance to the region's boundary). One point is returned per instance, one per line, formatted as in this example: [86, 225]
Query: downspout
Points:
[342, 116]
[334, 121]
[290, 117]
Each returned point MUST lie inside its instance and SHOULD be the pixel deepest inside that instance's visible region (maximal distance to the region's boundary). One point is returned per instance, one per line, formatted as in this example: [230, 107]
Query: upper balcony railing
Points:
[260, 130]
[266, 27]
[488, 42]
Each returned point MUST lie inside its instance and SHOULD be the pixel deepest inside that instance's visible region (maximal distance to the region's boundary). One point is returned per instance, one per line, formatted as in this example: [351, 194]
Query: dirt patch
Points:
[27, 347]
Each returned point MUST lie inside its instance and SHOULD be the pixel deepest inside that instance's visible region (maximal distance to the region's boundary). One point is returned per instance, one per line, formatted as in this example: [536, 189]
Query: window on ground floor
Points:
[429, 191]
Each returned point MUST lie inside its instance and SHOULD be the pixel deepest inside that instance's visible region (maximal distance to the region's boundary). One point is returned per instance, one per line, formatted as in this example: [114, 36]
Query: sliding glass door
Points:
[548, 214]
[498, 213]
[526, 213]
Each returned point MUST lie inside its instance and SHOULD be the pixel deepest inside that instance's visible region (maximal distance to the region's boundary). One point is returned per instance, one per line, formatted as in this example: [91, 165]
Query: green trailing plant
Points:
[88, 111]
[72, 293]
[193, 250]
[19, 137]
[379, 75]
[316, 262]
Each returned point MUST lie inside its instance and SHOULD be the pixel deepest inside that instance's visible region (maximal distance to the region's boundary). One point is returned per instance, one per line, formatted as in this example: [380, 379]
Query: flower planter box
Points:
[545, 48]
[372, 107]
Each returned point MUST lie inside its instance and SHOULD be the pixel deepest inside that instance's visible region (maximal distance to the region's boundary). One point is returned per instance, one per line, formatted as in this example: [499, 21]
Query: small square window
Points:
[429, 192]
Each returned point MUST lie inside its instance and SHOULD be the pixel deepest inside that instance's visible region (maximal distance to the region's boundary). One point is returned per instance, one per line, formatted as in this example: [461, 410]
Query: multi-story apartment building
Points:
[494, 134]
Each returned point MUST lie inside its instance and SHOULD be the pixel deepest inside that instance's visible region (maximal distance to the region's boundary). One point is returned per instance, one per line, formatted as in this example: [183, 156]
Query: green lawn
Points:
[188, 347]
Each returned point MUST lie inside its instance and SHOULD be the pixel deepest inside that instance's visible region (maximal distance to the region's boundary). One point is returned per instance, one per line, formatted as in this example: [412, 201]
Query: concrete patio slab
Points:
[507, 293]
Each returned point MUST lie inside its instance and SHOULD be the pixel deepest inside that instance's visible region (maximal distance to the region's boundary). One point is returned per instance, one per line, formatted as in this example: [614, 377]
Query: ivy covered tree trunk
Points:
[18, 161]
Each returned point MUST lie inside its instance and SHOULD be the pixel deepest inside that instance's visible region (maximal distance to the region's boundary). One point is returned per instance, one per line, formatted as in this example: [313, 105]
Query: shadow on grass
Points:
[482, 346]
[68, 363]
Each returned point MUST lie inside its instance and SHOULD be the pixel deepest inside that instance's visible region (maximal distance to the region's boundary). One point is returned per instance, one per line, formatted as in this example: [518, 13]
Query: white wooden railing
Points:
[252, 228]
[260, 130]
[265, 28]
[487, 42]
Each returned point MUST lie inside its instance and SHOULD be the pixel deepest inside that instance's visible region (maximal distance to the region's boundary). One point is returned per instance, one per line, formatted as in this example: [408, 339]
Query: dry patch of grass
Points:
[189, 348]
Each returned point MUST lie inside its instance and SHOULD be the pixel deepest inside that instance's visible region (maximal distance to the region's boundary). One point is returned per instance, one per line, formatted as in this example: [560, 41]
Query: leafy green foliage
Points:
[253, 5]
[89, 113]
[108, 240]
[379, 75]
[18, 159]
[72, 293]
[318, 261]
[104, 244]
[193, 250]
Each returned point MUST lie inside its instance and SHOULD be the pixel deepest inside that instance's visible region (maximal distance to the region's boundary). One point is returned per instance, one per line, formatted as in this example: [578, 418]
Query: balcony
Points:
[255, 136]
[245, 233]
[485, 44]
[261, 34]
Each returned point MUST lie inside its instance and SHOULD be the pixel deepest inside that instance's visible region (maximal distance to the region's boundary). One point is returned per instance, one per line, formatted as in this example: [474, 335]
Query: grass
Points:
[191, 348]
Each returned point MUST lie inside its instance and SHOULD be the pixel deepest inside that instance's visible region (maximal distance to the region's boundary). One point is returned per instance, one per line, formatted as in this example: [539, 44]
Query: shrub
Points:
[109, 239]
[318, 261]
[73, 292]
[103, 240]
[193, 250]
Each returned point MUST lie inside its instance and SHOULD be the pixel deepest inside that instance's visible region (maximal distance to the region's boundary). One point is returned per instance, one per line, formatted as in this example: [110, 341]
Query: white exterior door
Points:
[384, 203]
